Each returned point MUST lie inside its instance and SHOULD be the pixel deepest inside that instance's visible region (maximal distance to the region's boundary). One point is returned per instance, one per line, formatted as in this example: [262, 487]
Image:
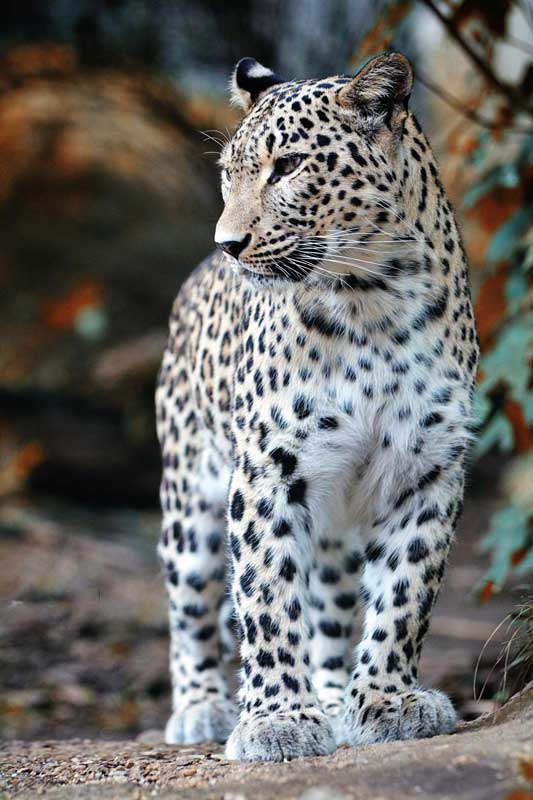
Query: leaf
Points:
[498, 433]
[519, 555]
[508, 533]
[510, 537]
[504, 401]
[506, 175]
[383, 31]
[490, 304]
[487, 591]
[522, 433]
[491, 16]
[508, 235]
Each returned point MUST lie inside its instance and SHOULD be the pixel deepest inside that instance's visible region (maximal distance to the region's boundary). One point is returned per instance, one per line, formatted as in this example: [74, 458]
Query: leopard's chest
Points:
[354, 401]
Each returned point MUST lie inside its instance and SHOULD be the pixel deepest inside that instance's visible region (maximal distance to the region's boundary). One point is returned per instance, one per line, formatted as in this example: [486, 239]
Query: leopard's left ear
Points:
[250, 79]
[380, 91]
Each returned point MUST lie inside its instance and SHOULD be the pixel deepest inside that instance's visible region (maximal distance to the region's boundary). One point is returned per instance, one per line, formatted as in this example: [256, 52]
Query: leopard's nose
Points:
[234, 247]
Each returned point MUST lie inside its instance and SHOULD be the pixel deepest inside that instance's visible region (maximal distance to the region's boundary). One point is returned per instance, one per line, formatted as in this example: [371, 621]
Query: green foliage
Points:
[499, 201]
[507, 370]
[508, 236]
[510, 543]
[504, 403]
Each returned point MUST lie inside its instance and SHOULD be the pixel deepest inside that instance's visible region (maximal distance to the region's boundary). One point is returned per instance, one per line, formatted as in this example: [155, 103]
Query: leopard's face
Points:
[311, 181]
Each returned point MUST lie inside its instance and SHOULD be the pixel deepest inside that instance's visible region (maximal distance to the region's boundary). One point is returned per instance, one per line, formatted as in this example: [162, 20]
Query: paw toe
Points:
[281, 737]
[208, 721]
[418, 714]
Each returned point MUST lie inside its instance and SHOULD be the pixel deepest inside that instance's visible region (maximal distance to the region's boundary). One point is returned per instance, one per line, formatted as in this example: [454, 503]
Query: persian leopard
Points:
[314, 407]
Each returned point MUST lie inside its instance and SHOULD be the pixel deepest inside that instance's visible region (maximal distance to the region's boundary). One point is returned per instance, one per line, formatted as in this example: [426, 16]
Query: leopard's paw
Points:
[418, 714]
[281, 736]
[205, 721]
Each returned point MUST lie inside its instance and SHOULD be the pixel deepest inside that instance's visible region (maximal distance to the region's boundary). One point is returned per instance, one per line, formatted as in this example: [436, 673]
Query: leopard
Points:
[315, 408]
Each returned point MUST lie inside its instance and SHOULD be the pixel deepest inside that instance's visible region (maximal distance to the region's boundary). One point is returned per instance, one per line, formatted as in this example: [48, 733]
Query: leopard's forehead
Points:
[288, 114]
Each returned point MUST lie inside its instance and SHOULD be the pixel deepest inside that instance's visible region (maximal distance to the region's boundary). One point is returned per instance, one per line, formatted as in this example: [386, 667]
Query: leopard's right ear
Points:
[250, 80]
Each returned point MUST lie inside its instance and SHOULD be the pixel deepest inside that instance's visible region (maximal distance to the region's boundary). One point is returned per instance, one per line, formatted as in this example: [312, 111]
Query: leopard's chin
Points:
[285, 269]
[278, 281]
[265, 280]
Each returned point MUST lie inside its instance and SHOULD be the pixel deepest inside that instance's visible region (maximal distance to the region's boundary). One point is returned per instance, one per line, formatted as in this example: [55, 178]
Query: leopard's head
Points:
[313, 179]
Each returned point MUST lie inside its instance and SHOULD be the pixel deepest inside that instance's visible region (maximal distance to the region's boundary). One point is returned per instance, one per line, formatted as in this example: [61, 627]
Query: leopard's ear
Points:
[249, 80]
[380, 91]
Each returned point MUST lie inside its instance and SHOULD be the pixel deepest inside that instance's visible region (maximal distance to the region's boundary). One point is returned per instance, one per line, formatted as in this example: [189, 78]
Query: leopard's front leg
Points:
[271, 551]
[192, 552]
[405, 563]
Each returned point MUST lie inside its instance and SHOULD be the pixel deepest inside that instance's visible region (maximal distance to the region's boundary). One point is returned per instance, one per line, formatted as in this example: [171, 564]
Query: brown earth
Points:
[83, 658]
[489, 758]
[84, 630]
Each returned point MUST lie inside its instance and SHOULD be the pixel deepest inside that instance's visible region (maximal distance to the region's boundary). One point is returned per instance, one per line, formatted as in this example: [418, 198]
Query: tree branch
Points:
[469, 113]
[507, 91]
[525, 47]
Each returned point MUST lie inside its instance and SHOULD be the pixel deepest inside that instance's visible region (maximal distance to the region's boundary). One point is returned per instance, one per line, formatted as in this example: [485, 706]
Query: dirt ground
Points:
[486, 759]
[84, 674]
[83, 626]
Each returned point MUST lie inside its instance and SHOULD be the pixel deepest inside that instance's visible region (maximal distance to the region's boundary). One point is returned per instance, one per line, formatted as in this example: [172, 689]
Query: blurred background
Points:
[110, 112]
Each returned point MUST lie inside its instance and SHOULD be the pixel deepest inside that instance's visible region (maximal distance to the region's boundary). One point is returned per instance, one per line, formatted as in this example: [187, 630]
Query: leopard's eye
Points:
[284, 166]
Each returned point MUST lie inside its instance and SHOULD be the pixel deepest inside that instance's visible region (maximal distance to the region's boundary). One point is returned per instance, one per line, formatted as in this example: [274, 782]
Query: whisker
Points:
[306, 263]
[348, 235]
[283, 271]
[320, 268]
[381, 203]
[339, 259]
[351, 246]
[218, 142]
[364, 245]
[363, 269]
[224, 137]
[364, 242]
[339, 277]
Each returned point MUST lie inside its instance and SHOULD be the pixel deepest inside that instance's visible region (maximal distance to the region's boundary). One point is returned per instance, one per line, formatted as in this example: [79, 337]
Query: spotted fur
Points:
[313, 408]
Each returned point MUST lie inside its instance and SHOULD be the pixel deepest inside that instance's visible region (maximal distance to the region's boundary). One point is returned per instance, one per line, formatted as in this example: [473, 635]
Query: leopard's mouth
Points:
[293, 266]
